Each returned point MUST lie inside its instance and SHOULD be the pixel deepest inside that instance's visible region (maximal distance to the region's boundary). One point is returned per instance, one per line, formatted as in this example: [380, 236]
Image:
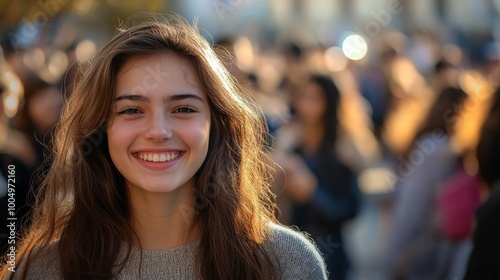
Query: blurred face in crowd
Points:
[159, 130]
[44, 108]
[311, 104]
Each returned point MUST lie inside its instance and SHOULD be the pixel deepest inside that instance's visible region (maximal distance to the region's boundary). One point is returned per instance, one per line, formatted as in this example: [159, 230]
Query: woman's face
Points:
[311, 104]
[44, 108]
[159, 130]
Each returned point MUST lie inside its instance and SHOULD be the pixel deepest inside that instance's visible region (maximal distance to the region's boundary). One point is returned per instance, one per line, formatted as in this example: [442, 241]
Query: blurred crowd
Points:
[401, 142]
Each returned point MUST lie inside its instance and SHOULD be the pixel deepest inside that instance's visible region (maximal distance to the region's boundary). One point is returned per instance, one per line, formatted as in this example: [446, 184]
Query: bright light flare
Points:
[354, 47]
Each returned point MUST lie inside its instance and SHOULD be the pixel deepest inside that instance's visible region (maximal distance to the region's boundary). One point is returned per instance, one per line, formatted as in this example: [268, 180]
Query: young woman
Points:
[159, 173]
[323, 189]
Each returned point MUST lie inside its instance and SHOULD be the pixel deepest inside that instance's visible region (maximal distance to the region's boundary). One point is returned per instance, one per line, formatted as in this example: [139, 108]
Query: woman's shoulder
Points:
[44, 264]
[296, 254]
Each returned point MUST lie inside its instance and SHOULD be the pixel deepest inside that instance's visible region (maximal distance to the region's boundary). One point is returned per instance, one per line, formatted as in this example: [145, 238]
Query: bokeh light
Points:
[355, 47]
[335, 59]
[85, 50]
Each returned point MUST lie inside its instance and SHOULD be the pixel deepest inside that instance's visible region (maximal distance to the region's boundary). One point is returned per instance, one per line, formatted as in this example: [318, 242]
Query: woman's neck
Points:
[163, 221]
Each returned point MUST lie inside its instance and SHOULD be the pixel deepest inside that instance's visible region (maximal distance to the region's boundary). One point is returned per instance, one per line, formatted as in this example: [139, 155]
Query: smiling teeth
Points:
[155, 157]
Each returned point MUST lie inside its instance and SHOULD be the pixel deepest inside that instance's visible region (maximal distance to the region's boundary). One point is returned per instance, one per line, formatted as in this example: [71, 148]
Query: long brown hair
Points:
[83, 206]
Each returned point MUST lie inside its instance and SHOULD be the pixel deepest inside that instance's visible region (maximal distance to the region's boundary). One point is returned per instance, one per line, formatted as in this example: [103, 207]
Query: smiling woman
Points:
[168, 121]
[160, 173]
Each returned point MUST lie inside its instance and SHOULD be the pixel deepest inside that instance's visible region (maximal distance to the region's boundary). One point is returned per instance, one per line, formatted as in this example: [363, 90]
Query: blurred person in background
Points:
[374, 82]
[296, 72]
[461, 194]
[485, 257]
[38, 117]
[224, 47]
[374, 89]
[323, 189]
[39, 64]
[446, 74]
[413, 244]
[274, 107]
[16, 151]
[13, 91]
[410, 99]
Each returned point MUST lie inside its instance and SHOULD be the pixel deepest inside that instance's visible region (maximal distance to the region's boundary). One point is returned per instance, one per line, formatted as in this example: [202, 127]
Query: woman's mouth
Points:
[158, 157]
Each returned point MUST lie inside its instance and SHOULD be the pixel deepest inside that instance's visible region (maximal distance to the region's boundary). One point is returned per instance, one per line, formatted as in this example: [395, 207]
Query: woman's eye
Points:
[185, 110]
[129, 111]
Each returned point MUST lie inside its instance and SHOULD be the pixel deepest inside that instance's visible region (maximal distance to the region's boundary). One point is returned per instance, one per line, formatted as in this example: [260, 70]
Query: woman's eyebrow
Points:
[133, 97]
[178, 97]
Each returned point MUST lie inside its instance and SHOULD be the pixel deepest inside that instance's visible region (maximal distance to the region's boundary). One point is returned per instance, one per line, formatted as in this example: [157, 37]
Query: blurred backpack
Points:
[457, 202]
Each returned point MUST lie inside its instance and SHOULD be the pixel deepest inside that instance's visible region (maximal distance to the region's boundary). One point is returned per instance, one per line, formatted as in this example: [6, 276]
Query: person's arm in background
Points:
[300, 183]
[291, 173]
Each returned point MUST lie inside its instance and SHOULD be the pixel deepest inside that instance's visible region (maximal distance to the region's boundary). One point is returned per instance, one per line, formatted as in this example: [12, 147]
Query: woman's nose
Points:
[159, 128]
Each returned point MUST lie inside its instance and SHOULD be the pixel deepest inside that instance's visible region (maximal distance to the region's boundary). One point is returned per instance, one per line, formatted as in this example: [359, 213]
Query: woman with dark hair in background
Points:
[38, 116]
[323, 189]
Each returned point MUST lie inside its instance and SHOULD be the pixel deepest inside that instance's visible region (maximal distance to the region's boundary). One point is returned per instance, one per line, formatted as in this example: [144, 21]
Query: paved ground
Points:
[365, 238]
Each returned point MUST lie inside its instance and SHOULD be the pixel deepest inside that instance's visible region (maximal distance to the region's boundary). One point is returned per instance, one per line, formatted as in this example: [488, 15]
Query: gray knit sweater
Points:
[294, 254]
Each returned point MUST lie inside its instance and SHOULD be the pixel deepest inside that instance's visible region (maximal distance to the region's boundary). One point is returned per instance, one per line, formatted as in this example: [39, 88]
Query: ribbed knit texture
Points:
[295, 255]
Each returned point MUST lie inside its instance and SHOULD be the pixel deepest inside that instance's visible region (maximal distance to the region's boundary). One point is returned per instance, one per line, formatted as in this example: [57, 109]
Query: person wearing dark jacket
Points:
[484, 261]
